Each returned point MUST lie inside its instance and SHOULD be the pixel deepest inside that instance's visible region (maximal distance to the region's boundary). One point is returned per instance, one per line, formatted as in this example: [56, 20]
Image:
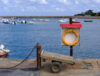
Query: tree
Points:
[89, 12]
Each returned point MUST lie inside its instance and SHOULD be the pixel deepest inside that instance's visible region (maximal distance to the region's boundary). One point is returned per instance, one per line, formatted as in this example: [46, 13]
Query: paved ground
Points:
[79, 72]
[83, 67]
[26, 69]
[19, 72]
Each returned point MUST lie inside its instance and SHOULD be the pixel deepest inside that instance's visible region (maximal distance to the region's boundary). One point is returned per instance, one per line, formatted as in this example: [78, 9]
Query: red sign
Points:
[71, 25]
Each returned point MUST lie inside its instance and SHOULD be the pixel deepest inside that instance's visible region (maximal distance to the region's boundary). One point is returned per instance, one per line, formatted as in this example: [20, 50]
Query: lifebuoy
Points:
[70, 31]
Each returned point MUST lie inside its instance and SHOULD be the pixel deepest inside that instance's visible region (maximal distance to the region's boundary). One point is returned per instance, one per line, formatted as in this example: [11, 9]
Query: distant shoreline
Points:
[81, 17]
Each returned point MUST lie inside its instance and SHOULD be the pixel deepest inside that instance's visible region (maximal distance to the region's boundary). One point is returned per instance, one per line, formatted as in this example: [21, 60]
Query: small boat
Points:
[46, 20]
[13, 23]
[63, 20]
[23, 21]
[88, 21]
[18, 21]
[6, 22]
[75, 21]
[30, 22]
[3, 51]
[41, 19]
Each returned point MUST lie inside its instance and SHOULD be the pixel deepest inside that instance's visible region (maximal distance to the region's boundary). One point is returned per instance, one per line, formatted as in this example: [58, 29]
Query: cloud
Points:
[60, 9]
[76, 2]
[5, 1]
[53, 7]
[17, 1]
[97, 1]
[66, 2]
[39, 1]
[43, 1]
[33, 0]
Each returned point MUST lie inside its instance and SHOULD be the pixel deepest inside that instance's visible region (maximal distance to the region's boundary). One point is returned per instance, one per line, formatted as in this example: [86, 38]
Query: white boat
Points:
[3, 51]
[23, 21]
[46, 20]
[30, 22]
[41, 19]
[74, 19]
[13, 23]
[18, 21]
[63, 20]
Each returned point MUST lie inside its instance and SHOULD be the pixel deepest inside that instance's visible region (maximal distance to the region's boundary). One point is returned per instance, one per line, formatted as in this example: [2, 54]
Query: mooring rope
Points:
[22, 60]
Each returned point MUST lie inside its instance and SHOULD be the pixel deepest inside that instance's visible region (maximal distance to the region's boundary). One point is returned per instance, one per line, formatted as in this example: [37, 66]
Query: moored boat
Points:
[13, 23]
[23, 21]
[6, 22]
[88, 21]
[3, 51]
[63, 20]
[75, 21]
[30, 22]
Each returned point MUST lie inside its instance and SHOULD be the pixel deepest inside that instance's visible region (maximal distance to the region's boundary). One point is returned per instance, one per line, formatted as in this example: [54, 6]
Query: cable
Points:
[24, 59]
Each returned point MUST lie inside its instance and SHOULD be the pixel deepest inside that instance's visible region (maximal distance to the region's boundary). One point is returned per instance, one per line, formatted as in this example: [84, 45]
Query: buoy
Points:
[70, 31]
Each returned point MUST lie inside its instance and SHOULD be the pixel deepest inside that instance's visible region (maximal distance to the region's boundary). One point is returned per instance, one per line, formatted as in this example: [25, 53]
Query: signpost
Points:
[71, 47]
[71, 35]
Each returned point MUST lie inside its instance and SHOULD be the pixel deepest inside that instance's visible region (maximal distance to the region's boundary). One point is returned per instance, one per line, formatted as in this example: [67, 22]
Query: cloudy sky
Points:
[46, 7]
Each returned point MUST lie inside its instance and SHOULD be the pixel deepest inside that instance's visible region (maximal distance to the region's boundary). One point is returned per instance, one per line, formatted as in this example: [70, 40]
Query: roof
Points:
[71, 25]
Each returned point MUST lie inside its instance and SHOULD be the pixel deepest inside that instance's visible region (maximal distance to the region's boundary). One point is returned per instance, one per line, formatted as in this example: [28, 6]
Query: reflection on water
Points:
[21, 38]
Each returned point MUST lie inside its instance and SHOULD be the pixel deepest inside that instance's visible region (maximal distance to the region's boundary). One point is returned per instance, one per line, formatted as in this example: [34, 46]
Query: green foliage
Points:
[88, 13]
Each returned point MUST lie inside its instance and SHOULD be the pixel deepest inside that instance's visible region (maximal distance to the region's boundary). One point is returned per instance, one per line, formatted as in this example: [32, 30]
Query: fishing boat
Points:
[3, 51]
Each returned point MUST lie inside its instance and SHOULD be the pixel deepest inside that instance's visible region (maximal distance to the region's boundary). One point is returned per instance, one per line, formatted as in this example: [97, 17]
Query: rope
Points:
[22, 60]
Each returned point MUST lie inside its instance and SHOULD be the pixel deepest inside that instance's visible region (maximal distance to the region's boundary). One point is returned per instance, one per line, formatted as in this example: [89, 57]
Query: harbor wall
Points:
[81, 17]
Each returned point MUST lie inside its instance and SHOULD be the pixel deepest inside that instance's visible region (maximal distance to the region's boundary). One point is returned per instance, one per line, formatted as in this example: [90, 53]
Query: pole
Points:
[38, 56]
[71, 47]
[70, 20]
[71, 50]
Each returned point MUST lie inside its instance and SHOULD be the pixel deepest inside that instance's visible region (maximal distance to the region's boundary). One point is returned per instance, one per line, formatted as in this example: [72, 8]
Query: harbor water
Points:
[21, 38]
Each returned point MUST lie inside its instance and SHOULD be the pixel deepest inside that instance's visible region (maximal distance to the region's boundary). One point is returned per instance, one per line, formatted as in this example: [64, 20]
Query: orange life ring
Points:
[70, 31]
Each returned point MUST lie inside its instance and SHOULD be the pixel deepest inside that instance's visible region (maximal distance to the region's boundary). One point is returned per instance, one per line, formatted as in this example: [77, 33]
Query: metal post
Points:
[38, 56]
[71, 47]
[71, 50]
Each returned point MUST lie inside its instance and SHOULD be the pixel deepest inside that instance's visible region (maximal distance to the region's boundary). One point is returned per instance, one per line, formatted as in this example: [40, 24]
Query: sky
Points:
[46, 7]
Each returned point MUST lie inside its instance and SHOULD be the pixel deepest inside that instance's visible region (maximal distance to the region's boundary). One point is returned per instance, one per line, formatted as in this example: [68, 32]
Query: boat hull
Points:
[75, 21]
[3, 54]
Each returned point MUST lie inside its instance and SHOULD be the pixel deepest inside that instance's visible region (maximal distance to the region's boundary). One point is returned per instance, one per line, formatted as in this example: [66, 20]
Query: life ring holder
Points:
[70, 31]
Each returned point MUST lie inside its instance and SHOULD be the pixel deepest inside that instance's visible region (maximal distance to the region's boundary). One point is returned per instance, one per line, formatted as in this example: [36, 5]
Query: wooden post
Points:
[38, 56]
[71, 47]
[70, 21]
